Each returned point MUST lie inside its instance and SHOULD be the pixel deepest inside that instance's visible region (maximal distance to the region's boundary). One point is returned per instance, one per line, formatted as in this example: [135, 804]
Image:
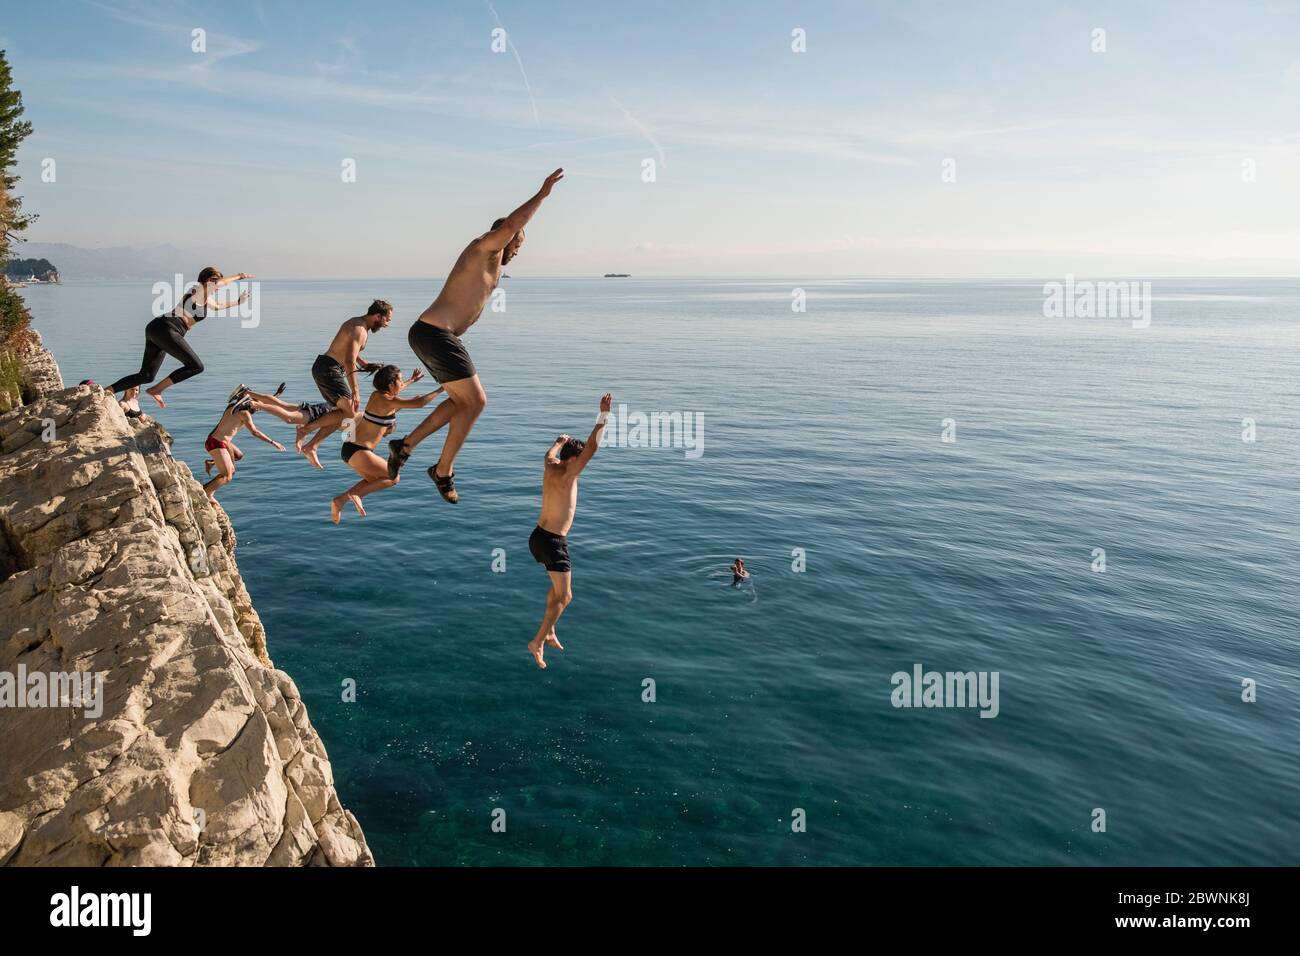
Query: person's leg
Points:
[225, 471]
[285, 411]
[470, 401]
[432, 422]
[557, 599]
[173, 343]
[234, 450]
[325, 426]
[374, 477]
[149, 366]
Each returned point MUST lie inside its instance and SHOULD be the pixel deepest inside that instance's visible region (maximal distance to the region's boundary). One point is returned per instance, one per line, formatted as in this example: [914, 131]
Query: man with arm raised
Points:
[435, 339]
[549, 543]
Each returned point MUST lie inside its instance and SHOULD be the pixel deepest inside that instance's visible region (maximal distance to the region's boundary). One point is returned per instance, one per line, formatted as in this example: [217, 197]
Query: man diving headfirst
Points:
[549, 543]
[435, 339]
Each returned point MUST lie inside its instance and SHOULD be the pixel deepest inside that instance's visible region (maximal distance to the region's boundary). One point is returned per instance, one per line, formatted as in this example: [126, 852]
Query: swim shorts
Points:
[330, 378]
[315, 410]
[551, 550]
[442, 352]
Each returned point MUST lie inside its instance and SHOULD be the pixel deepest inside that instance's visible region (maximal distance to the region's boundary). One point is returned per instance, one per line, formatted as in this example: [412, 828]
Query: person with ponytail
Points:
[165, 335]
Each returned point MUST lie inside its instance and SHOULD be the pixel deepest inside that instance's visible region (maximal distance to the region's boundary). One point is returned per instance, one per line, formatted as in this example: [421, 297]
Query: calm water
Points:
[1119, 690]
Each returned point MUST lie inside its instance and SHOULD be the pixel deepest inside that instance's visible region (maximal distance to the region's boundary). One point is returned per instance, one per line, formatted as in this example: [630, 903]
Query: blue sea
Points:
[875, 545]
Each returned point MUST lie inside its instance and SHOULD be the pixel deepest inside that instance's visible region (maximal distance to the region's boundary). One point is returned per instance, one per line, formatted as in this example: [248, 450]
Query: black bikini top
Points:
[196, 312]
[384, 421]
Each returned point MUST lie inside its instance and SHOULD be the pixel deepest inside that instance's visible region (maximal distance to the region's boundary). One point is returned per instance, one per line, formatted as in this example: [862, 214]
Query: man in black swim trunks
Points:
[549, 543]
[435, 339]
[335, 375]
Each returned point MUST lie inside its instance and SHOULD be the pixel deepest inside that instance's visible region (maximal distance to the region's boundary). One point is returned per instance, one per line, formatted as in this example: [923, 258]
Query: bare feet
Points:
[310, 451]
[554, 641]
[535, 648]
[156, 396]
[207, 466]
[299, 436]
[212, 499]
[356, 503]
[336, 510]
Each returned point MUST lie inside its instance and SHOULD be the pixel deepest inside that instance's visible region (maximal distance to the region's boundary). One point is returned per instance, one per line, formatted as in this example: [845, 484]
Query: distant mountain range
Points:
[115, 262]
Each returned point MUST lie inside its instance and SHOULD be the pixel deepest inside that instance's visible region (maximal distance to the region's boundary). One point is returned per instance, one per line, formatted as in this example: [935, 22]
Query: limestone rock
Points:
[198, 752]
[41, 376]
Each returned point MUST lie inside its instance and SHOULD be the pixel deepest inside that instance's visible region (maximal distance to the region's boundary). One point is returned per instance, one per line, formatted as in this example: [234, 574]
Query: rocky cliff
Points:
[112, 562]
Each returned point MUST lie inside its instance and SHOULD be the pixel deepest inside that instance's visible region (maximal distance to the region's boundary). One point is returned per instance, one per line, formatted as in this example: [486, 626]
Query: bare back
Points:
[465, 293]
[559, 498]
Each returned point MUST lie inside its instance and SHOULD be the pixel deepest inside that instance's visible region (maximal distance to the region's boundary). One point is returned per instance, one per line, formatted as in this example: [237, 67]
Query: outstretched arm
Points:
[500, 237]
[588, 450]
[247, 419]
[219, 306]
[420, 402]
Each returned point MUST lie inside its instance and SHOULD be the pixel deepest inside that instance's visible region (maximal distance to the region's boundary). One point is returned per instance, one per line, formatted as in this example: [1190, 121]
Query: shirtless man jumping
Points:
[435, 338]
[335, 374]
[549, 543]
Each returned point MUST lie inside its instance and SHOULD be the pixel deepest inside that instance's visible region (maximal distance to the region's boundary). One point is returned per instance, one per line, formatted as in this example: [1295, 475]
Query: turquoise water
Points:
[1119, 690]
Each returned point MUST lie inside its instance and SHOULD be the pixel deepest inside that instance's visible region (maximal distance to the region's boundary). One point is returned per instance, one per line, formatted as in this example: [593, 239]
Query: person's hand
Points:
[243, 297]
[417, 375]
[562, 439]
[550, 181]
[356, 407]
[277, 446]
[606, 402]
[242, 276]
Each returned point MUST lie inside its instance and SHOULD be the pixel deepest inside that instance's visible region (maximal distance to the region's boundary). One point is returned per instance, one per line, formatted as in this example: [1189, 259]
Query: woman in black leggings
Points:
[165, 335]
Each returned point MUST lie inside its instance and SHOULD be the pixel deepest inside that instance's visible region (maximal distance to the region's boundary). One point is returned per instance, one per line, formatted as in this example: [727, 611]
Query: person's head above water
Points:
[512, 247]
[572, 448]
[389, 380]
[378, 315]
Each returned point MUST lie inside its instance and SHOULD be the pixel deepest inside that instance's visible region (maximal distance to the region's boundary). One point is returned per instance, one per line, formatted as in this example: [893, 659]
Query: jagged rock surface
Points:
[41, 375]
[112, 560]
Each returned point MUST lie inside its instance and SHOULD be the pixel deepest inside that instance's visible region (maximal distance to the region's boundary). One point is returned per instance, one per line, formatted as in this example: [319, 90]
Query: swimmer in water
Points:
[738, 572]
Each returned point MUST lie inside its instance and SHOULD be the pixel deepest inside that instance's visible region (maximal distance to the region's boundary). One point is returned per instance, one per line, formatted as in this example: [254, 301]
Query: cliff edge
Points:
[197, 751]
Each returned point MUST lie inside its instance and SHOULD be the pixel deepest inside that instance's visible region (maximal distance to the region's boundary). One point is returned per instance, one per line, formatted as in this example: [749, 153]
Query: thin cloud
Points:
[642, 129]
[518, 59]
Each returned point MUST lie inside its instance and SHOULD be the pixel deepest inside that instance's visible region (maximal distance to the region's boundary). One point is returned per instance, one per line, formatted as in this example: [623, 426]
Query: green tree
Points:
[13, 130]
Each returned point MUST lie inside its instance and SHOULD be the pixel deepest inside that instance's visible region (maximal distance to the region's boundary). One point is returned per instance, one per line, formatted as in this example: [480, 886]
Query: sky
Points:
[905, 139]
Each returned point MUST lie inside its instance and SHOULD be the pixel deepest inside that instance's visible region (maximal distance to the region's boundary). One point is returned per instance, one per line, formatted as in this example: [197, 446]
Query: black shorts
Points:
[315, 410]
[330, 378]
[442, 352]
[551, 550]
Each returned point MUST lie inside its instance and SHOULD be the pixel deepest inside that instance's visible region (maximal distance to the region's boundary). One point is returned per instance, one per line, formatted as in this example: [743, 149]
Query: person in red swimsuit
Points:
[221, 441]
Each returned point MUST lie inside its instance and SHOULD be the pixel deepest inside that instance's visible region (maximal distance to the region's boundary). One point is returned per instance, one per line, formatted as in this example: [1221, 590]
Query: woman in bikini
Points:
[165, 335]
[375, 422]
